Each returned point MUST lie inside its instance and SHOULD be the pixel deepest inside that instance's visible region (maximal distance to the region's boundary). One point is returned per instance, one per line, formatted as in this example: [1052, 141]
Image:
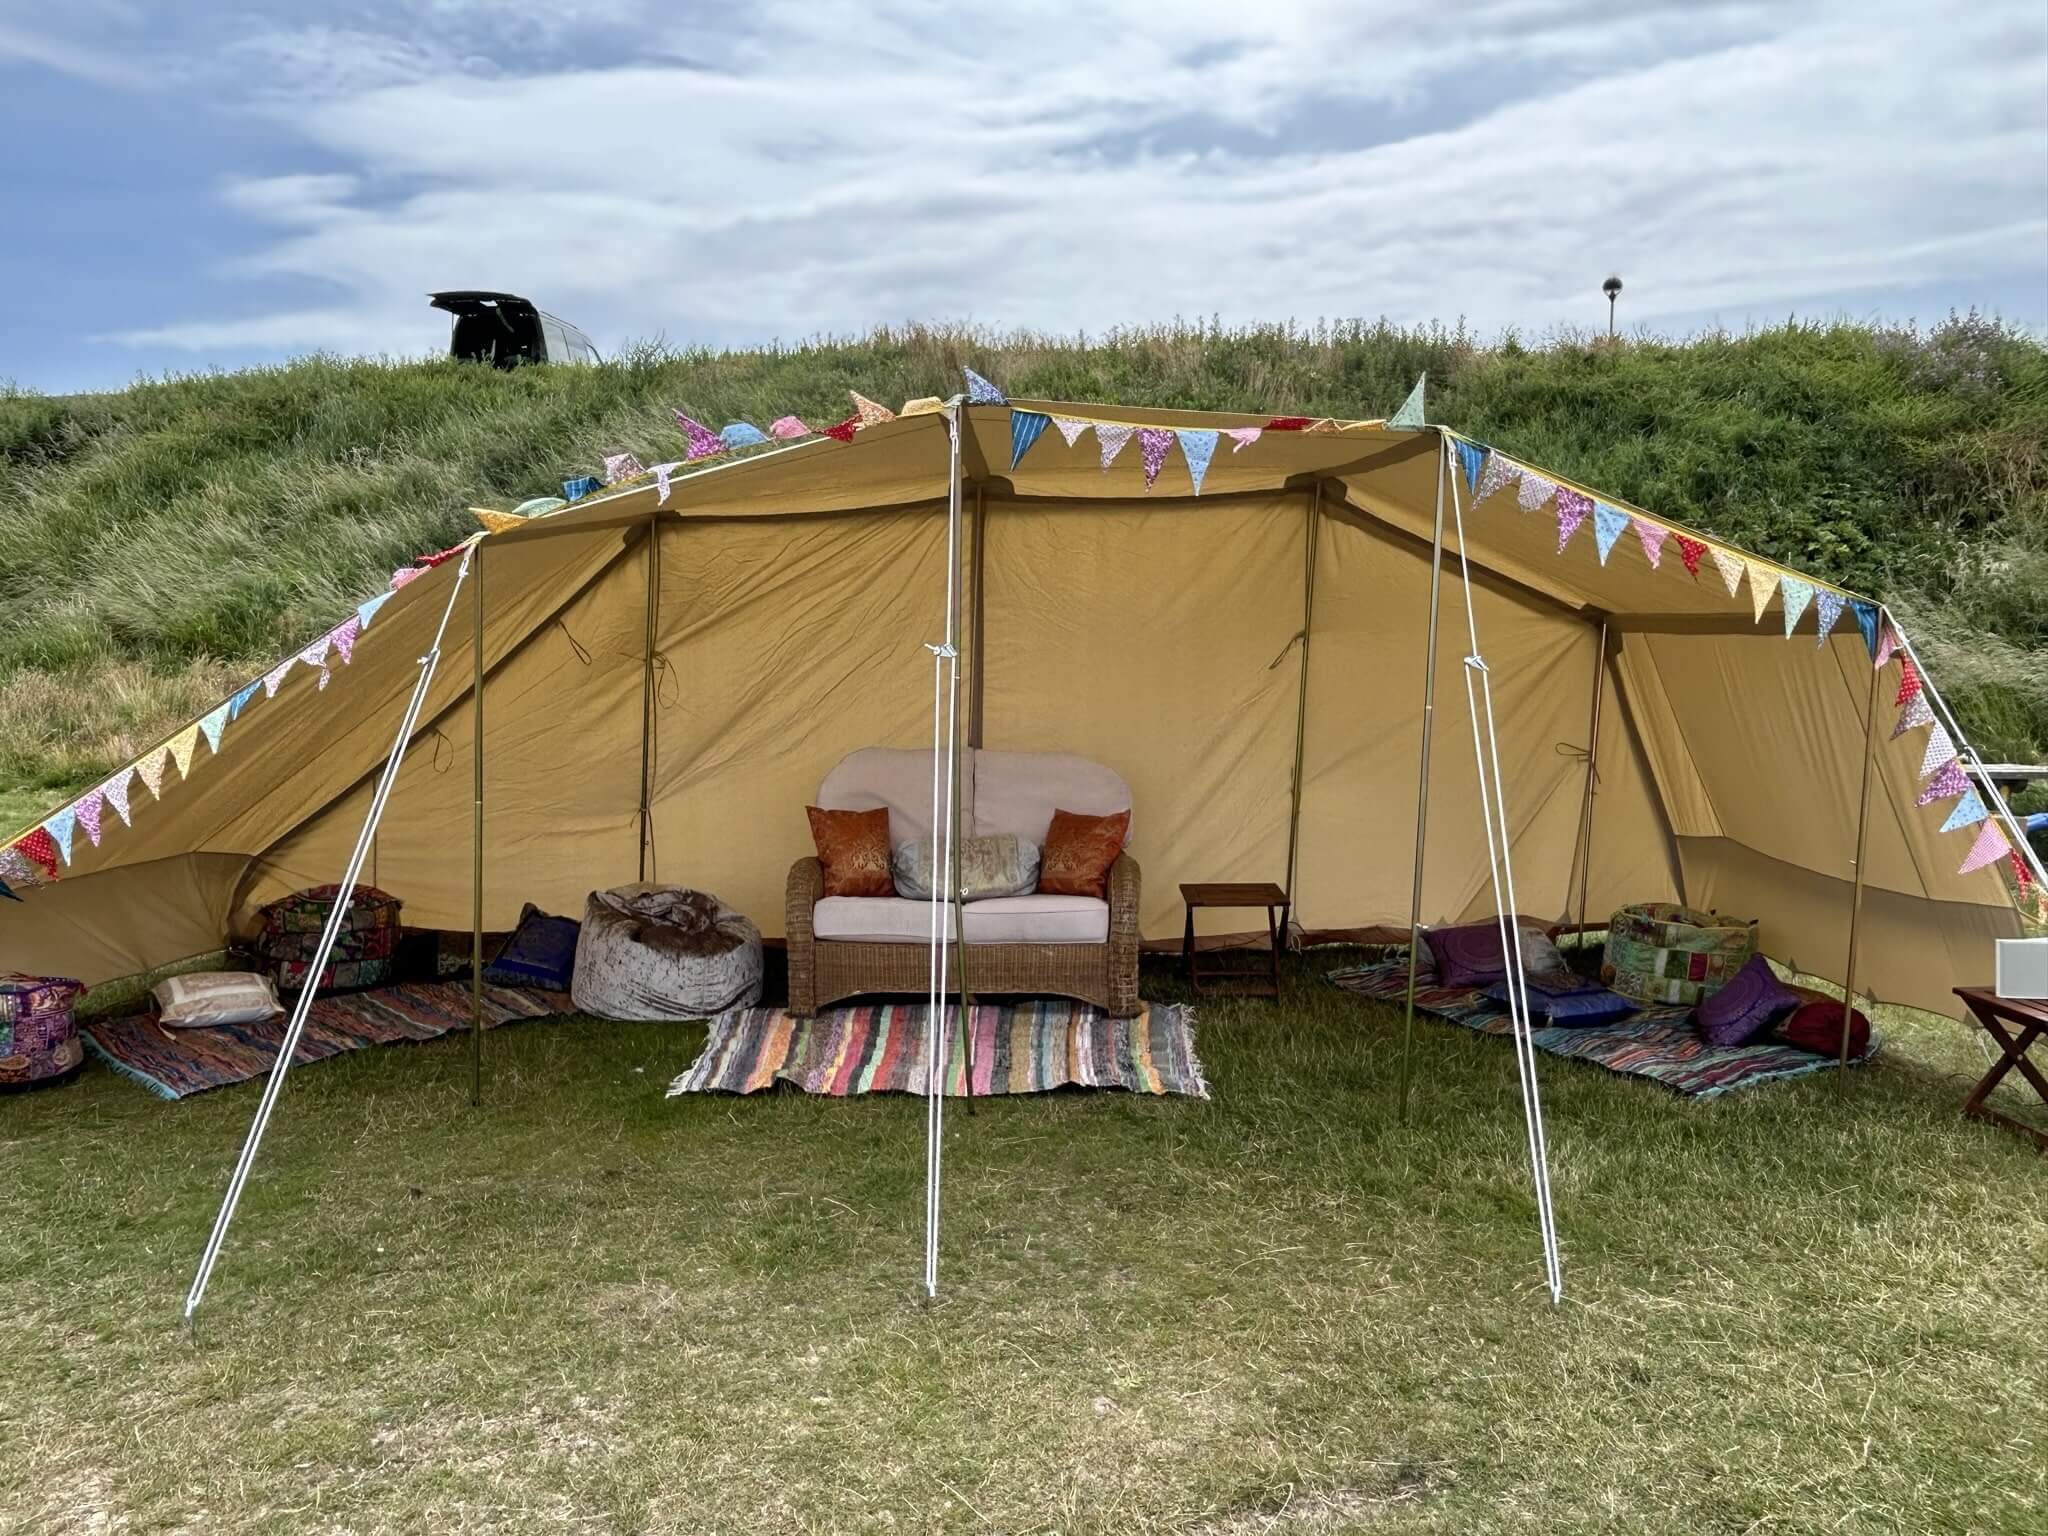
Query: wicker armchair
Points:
[823, 971]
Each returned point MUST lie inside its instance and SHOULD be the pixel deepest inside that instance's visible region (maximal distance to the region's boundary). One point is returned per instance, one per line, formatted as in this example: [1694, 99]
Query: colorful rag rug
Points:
[173, 1063]
[1659, 1043]
[1018, 1048]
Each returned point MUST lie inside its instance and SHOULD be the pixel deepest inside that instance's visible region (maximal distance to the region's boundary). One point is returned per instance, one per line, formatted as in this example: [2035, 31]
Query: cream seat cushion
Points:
[876, 920]
[1034, 919]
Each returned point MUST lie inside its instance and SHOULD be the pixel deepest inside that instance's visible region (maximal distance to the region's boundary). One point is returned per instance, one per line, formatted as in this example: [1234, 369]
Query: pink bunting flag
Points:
[1070, 429]
[1917, 712]
[88, 808]
[1652, 536]
[1536, 489]
[1573, 508]
[343, 636]
[1111, 438]
[787, 427]
[1887, 644]
[275, 676]
[1945, 785]
[1153, 446]
[1242, 438]
[115, 792]
[405, 575]
[702, 440]
[1990, 847]
[1940, 750]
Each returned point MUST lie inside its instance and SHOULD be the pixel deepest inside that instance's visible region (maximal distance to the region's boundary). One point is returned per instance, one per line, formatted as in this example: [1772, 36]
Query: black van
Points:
[504, 330]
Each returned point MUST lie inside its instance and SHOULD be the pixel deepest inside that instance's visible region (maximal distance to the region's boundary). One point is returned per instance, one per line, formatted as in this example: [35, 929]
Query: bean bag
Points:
[662, 952]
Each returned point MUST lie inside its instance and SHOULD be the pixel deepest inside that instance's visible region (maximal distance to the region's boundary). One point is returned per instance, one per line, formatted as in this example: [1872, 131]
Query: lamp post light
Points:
[1612, 288]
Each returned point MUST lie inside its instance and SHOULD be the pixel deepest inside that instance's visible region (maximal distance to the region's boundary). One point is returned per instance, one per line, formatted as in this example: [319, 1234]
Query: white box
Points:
[2022, 968]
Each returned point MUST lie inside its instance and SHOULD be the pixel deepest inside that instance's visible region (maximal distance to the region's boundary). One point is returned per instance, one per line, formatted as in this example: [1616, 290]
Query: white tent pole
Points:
[344, 898]
[937, 1032]
[1436, 572]
[1500, 861]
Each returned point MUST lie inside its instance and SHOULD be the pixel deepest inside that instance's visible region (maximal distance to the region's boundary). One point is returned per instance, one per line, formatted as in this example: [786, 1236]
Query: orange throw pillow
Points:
[854, 848]
[1078, 852]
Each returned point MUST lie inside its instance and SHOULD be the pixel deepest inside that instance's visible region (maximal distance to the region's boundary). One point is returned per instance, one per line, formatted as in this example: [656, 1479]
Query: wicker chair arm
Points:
[806, 886]
[1123, 936]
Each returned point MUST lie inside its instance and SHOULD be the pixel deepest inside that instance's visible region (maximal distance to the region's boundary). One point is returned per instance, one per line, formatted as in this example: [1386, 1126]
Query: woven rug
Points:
[1658, 1043]
[173, 1063]
[1018, 1048]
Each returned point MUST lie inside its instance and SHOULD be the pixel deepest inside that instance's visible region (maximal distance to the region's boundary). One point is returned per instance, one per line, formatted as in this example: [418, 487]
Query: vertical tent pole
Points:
[1862, 838]
[346, 895]
[1436, 572]
[647, 690]
[945, 808]
[1308, 617]
[1592, 777]
[476, 837]
[953, 822]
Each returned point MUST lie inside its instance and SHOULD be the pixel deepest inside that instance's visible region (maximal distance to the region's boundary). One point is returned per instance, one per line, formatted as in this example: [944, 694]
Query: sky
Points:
[219, 183]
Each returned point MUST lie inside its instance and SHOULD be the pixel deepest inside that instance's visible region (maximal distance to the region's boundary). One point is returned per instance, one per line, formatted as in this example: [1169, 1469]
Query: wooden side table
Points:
[2031, 1019]
[1260, 978]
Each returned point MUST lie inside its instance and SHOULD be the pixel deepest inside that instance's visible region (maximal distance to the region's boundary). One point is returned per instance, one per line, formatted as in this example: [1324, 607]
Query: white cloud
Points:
[838, 164]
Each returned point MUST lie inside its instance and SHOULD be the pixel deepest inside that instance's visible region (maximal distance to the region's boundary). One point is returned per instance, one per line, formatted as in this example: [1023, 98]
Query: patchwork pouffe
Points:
[1660, 952]
[363, 949]
[38, 1031]
[662, 952]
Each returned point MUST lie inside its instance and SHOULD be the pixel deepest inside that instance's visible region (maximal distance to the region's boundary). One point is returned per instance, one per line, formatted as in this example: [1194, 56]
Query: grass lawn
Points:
[1814, 1306]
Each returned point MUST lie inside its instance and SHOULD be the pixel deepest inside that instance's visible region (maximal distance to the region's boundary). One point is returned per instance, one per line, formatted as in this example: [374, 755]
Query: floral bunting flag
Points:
[1572, 510]
[1409, 417]
[1111, 438]
[16, 870]
[58, 830]
[1198, 447]
[1471, 458]
[2022, 876]
[1967, 813]
[741, 434]
[151, 771]
[1242, 438]
[1793, 596]
[702, 440]
[1945, 785]
[115, 793]
[1500, 469]
[1536, 489]
[315, 655]
[1763, 581]
[1827, 609]
[1652, 536]
[212, 724]
[1887, 644]
[664, 480]
[1909, 682]
[368, 611]
[1730, 567]
[621, 466]
[182, 746]
[1288, 424]
[1917, 713]
[405, 576]
[88, 809]
[1866, 620]
[788, 427]
[1070, 429]
[35, 846]
[1690, 550]
[869, 413]
[1026, 427]
[981, 392]
[1608, 523]
[344, 637]
[241, 700]
[1153, 445]
[1989, 848]
[843, 430]
[1940, 750]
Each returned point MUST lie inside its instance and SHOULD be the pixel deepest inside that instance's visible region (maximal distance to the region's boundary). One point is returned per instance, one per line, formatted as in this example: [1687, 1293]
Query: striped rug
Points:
[1018, 1048]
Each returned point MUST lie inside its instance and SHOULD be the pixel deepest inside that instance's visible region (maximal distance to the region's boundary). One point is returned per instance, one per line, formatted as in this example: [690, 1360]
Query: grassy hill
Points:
[159, 543]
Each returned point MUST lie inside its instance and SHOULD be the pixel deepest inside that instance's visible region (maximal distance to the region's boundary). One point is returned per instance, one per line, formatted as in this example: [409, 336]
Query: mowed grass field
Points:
[1814, 1306]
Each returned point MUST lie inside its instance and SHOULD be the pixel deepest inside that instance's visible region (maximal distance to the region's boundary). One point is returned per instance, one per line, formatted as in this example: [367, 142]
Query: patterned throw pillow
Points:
[854, 848]
[1002, 864]
[1745, 1007]
[1078, 852]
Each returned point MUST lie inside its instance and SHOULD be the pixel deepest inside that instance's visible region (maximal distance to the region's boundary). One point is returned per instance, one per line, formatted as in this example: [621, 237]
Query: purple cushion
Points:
[1470, 955]
[1746, 1006]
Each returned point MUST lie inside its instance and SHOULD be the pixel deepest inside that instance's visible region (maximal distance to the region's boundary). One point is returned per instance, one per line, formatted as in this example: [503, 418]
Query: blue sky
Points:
[218, 184]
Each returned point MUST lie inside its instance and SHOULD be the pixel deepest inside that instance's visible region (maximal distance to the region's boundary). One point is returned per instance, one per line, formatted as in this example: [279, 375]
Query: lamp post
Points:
[1612, 288]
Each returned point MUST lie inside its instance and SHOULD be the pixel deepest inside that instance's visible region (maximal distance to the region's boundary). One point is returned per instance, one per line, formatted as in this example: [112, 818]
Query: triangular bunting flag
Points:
[368, 611]
[1500, 470]
[1111, 438]
[572, 490]
[275, 676]
[1945, 785]
[1730, 567]
[1652, 536]
[88, 809]
[869, 413]
[1916, 713]
[1153, 445]
[315, 655]
[212, 724]
[15, 868]
[1827, 610]
[981, 392]
[1909, 682]
[405, 575]
[1536, 489]
[151, 771]
[1763, 581]
[1967, 813]
[58, 830]
[1793, 596]
[787, 427]
[2022, 876]
[925, 405]
[1608, 524]
[182, 746]
[1690, 550]
[115, 793]
[35, 846]
[1887, 643]
[1242, 438]
[344, 637]
[1322, 424]
[1471, 459]
[1572, 510]
[702, 440]
[1288, 424]
[843, 430]
[1198, 447]
[621, 466]
[664, 477]
[1940, 750]
[241, 700]
[1026, 427]
[1866, 620]
[1990, 847]
[1070, 429]
[1409, 417]
[739, 434]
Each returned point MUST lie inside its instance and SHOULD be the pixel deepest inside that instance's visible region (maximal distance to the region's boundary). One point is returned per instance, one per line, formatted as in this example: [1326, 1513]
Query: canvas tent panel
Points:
[1157, 639]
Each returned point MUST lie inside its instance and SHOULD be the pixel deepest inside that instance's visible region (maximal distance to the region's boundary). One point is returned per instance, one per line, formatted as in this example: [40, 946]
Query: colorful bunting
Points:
[1887, 644]
[1652, 536]
[1608, 523]
[115, 793]
[151, 771]
[572, 490]
[1793, 596]
[1288, 424]
[1536, 489]
[1866, 620]
[344, 637]
[1917, 713]
[405, 576]
[621, 466]
[867, 411]
[788, 427]
[1690, 550]
[368, 611]
[1471, 459]
[1763, 581]
[241, 700]
[2022, 876]
[843, 430]
[212, 724]
[1909, 682]
[1730, 567]
[1026, 427]
[1945, 785]
[35, 846]
[664, 478]
[1967, 813]
[1990, 847]
[1111, 438]
[88, 809]
[981, 392]
[181, 748]
[1153, 445]
[58, 829]
[1573, 507]
[702, 440]
[1070, 429]
[18, 870]
[275, 676]
[925, 405]
[1827, 609]
[1198, 447]
[740, 434]
[1242, 438]
[1500, 469]
[1409, 417]
[1940, 750]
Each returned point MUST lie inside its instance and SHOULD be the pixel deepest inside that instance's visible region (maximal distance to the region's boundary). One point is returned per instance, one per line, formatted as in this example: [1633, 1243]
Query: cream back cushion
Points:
[1018, 792]
[901, 779]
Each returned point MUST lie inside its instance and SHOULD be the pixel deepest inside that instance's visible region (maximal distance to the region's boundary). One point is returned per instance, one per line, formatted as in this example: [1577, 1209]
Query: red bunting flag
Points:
[37, 847]
[1691, 551]
[2022, 876]
[843, 430]
[1288, 424]
[1909, 682]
